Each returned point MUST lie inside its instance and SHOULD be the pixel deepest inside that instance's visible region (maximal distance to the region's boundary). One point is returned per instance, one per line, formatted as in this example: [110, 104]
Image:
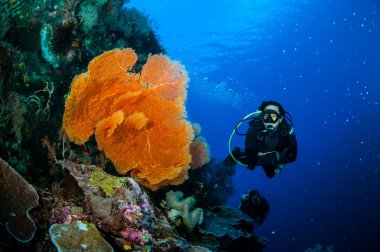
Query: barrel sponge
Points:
[138, 119]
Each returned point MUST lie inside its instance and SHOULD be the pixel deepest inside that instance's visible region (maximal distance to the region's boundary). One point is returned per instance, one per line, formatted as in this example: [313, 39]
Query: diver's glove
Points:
[268, 158]
[279, 168]
[251, 167]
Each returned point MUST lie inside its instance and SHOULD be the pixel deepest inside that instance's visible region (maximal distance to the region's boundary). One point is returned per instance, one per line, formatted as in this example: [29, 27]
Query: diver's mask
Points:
[271, 116]
[271, 119]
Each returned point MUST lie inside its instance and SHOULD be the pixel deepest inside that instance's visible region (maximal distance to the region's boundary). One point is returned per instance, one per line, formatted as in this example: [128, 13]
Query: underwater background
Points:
[321, 60]
[102, 147]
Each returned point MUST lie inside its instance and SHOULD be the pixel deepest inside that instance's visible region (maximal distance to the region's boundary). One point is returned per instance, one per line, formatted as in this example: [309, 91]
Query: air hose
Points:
[258, 112]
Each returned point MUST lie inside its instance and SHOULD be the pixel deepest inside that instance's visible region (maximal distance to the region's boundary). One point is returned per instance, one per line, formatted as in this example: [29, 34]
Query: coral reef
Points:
[122, 208]
[183, 207]
[8, 10]
[224, 228]
[138, 120]
[224, 221]
[319, 248]
[44, 44]
[210, 184]
[17, 197]
[78, 236]
[16, 111]
[128, 107]
[89, 13]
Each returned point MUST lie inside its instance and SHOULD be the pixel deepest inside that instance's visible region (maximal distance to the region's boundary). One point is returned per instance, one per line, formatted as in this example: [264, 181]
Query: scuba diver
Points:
[255, 206]
[270, 140]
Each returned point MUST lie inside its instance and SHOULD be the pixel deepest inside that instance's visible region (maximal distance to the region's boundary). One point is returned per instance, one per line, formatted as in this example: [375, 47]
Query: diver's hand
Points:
[229, 160]
[250, 167]
[279, 168]
[268, 158]
[236, 152]
[270, 152]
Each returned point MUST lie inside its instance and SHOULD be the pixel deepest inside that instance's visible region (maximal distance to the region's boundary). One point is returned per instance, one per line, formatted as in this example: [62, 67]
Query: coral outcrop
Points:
[119, 206]
[320, 248]
[43, 45]
[138, 119]
[17, 197]
[78, 236]
[210, 184]
[224, 221]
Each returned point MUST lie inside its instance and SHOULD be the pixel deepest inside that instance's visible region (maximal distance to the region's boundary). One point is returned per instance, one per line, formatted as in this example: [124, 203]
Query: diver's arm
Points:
[290, 153]
[236, 155]
[286, 156]
[240, 156]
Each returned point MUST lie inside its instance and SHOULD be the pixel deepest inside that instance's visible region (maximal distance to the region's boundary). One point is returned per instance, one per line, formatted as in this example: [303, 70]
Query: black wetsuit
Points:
[283, 141]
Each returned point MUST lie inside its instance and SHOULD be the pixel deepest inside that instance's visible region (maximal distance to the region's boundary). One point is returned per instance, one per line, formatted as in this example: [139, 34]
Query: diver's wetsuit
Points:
[283, 141]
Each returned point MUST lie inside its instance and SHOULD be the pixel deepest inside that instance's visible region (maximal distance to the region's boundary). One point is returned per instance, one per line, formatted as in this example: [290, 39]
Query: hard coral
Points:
[78, 236]
[17, 197]
[225, 221]
[138, 120]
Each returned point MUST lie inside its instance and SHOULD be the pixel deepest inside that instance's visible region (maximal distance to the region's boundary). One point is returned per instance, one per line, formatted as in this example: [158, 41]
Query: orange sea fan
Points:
[165, 77]
[138, 120]
[109, 124]
[113, 64]
[92, 92]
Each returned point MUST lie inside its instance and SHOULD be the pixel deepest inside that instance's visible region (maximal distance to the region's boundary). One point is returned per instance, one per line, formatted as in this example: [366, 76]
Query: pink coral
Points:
[200, 152]
[132, 235]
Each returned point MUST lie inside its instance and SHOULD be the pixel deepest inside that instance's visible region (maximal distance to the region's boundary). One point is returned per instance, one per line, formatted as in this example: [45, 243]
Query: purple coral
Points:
[132, 235]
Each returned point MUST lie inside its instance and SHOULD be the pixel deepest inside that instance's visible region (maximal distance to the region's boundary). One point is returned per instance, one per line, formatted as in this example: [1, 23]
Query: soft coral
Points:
[138, 120]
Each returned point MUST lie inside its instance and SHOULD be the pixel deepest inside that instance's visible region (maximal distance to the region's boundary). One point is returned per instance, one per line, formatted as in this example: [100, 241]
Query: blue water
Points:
[321, 60]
